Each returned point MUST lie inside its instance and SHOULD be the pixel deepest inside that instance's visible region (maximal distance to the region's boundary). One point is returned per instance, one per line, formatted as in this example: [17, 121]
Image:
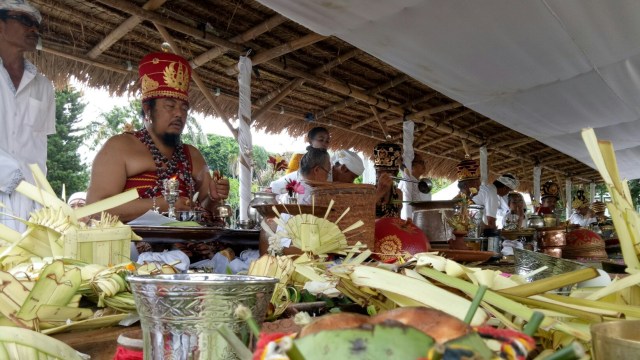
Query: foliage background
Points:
[64, 165]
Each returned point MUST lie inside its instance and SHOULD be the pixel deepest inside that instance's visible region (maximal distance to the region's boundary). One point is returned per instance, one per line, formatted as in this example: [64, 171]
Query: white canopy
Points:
[546, 68]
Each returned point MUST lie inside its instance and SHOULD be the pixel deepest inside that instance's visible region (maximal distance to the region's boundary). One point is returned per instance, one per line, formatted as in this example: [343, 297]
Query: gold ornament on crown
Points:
[148, 84]
[177, 79]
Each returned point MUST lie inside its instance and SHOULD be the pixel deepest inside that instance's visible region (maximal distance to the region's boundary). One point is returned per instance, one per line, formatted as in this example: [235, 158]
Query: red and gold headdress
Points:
[164, 75]
[549, 189]
[468, 169]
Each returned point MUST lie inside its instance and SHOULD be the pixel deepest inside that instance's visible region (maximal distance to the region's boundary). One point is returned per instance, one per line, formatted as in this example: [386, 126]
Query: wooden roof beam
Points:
[66, 52]
[250, 34]
[122, 30]
[427, 113]
[453, 117]
[341, 88]
[389, 113]
[131, 8]
[291, 46]
[286, 91]
[512, 143]
[350, 101]
[335, 62]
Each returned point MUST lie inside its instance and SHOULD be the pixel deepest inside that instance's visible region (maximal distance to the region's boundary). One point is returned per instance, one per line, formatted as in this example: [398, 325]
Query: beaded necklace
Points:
[178, 166]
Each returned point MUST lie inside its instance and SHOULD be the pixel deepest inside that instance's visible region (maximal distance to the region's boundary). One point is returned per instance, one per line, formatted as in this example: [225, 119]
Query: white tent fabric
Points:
[546, 68]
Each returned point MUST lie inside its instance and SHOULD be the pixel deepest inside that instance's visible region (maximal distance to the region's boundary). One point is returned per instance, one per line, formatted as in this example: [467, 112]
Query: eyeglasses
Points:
[24, 19]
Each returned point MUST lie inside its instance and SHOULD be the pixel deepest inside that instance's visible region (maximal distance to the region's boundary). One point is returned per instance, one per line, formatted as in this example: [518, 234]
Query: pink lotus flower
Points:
[294, 186]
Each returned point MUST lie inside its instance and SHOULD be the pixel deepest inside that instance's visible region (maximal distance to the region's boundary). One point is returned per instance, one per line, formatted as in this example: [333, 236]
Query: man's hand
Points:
[219, 189]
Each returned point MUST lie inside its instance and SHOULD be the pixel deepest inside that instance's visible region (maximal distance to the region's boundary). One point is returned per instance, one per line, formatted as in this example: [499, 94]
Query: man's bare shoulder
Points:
[119, 146]
[123, 139]
[194, 152]
[121, 142]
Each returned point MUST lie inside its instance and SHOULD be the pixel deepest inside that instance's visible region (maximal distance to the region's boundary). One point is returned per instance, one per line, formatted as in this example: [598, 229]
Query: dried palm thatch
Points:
[301, 80]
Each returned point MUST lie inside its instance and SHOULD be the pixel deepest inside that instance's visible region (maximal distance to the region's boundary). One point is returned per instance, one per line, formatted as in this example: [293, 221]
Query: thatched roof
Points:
[301, 79]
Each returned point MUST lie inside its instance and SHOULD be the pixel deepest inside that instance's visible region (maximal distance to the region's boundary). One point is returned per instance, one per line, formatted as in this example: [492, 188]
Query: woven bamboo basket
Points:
[361, 201]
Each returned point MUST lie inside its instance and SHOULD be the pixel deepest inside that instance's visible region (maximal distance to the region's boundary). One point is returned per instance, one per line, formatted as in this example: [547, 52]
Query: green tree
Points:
[222, 154]
[64, 165]
[112, 123]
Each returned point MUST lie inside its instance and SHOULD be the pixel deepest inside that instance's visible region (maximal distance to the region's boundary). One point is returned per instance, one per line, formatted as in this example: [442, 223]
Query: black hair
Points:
[314, 157]
[315, 131]
[152, 105]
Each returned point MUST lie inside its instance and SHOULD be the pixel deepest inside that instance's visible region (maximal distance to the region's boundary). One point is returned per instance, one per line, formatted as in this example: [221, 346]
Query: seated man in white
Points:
[346, 167]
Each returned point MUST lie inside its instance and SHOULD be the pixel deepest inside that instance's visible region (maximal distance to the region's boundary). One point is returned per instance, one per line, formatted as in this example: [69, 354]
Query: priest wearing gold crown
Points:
[143, 159]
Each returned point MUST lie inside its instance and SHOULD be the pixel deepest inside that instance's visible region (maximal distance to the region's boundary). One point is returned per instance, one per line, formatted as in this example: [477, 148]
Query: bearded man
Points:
[145, 158]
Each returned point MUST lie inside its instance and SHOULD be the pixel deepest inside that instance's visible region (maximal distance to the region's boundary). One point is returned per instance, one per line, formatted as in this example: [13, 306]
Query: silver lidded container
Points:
[180, 313]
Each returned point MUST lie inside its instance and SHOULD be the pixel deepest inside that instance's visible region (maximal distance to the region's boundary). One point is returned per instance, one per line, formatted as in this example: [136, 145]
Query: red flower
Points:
[294, 186]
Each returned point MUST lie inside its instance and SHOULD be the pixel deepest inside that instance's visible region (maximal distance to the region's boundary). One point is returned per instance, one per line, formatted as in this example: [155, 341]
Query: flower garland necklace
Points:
[178, 166]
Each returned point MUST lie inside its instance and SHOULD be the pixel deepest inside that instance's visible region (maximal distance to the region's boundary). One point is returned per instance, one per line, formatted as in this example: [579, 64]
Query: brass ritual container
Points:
[616, 340]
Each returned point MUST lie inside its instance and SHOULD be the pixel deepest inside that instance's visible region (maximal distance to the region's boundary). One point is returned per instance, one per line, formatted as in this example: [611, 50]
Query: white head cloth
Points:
[21, 5]
[351, 160]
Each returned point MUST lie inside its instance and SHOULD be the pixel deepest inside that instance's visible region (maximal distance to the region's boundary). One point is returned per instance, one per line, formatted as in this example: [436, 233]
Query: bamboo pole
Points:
[131, 8]
[266, 55]
[446, 137]
[65, 54]
[408, 104]
[250, 34]
[426, 113]
[122, 30]
[382, 125]
[201, 85]
[335, 62]
[372, 91]
[286, 91]
[341, 88]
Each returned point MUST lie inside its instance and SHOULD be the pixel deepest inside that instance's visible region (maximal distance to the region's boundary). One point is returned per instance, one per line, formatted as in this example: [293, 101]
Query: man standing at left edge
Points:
[27, 108]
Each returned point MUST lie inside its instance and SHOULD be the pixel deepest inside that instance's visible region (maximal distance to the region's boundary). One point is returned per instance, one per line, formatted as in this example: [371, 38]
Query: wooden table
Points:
[175, 234]
[100, 344]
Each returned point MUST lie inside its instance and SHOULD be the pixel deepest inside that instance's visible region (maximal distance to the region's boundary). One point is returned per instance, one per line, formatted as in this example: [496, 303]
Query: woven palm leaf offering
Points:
[316, 237]
[489, 301]
[47, 270]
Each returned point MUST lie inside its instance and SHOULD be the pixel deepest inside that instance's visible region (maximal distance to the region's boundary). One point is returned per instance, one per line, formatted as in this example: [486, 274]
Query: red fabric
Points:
[127, 354]
[147, 180]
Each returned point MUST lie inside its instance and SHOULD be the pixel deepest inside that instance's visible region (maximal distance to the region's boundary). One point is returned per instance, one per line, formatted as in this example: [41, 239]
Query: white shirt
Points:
[27, 116]
[279, 186]
[487, 196]
[503, 210]
[410, 192]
